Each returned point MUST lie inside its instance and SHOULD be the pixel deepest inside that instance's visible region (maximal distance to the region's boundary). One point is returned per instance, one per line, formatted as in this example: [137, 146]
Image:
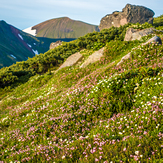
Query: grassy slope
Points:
[91, 114]
[10, 44]
[158, 21]
[63, 28]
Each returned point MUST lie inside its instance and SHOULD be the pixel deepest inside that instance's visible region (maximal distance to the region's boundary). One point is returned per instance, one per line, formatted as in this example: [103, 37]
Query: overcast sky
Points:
[26, 13]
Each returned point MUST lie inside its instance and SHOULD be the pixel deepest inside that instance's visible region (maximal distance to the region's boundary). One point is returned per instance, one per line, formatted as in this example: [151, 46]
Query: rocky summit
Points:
[130, 14]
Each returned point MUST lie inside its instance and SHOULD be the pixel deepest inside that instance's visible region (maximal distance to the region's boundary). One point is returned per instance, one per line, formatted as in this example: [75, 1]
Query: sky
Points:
[26, 13]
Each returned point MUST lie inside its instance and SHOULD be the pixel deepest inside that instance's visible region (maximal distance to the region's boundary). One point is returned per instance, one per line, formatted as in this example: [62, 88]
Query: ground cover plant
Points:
[102, 113]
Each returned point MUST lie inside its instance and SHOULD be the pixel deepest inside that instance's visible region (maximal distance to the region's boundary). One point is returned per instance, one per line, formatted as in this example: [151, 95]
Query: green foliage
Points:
[158, 21]
[54, 57]
[117, 48]
[102, 113]
[140, 26]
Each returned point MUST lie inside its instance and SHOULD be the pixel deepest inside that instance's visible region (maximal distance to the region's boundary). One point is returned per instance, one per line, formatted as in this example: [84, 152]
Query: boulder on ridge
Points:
[135, 34]
[130, 14]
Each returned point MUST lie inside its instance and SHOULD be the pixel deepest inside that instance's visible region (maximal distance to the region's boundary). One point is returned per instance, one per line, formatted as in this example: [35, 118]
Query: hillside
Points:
[104, 112]
[158, 21]
[16, 45]
[63, 28]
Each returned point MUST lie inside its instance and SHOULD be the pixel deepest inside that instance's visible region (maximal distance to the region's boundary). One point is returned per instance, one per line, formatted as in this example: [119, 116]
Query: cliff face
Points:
[130, 14]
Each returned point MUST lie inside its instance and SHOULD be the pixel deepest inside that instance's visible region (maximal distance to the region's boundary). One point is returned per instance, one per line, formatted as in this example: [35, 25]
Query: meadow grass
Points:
[102, 113]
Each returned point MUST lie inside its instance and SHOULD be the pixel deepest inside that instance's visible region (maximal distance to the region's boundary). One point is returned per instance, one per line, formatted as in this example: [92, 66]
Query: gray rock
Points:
[135, 34]
[129, 14]
[128, 56]
[96, 56]
[55, 44]
[154, 39]
[72, 60]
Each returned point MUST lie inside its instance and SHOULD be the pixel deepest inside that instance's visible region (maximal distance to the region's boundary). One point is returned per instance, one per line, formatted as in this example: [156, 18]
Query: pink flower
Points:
[124, 149]
[96, 159]
[136, 158]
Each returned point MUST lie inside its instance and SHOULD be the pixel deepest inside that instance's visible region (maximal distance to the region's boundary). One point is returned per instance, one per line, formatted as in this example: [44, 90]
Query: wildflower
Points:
[136, 152]
[141, 156]
[154, 97]
[96, 159]
[124, 149]
[63, 157]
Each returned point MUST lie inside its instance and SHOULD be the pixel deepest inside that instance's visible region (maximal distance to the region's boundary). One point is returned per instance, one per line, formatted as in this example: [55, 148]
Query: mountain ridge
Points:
[63, 27]
[16, 45]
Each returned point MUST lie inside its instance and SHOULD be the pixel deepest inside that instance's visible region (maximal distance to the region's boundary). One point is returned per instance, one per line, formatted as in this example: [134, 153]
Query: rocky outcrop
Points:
[96, 56]
[154, 39]
[128, 56]
[135, 34]
[129, 14]
[72, 60]
[55, 44]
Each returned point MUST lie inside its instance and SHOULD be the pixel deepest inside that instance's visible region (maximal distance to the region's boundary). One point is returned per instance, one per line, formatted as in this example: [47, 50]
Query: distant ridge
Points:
[16, 45]
[63, 27]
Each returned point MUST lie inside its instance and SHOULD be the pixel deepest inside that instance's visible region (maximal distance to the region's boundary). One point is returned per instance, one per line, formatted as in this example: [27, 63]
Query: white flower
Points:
[141, 155]
[136, 152]
[63, 157]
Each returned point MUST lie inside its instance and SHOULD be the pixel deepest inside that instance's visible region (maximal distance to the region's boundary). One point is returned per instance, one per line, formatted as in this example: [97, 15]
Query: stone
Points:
[135, 34]
[130, 14]
[96, 56]
[72, 60]
[128, 56]
[154, 39]
[55, 44]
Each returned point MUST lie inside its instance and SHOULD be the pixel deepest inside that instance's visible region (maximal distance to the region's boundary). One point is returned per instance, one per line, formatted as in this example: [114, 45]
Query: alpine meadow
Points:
[110, 111]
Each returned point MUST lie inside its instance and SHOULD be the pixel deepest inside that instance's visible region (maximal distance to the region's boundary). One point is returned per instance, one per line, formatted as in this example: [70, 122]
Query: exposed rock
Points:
[135, 34]
[72, 60]
[55, 44]
[128, 56]
[129, 14]
[154, 39]
[124, 58]
[93, 58]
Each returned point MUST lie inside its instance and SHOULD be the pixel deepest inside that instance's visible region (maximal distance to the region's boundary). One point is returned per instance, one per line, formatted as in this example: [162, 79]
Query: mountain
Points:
[61, 28]
[16, 45]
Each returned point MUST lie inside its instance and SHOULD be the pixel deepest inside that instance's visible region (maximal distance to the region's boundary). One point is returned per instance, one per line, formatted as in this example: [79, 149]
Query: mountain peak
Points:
[62, 27]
